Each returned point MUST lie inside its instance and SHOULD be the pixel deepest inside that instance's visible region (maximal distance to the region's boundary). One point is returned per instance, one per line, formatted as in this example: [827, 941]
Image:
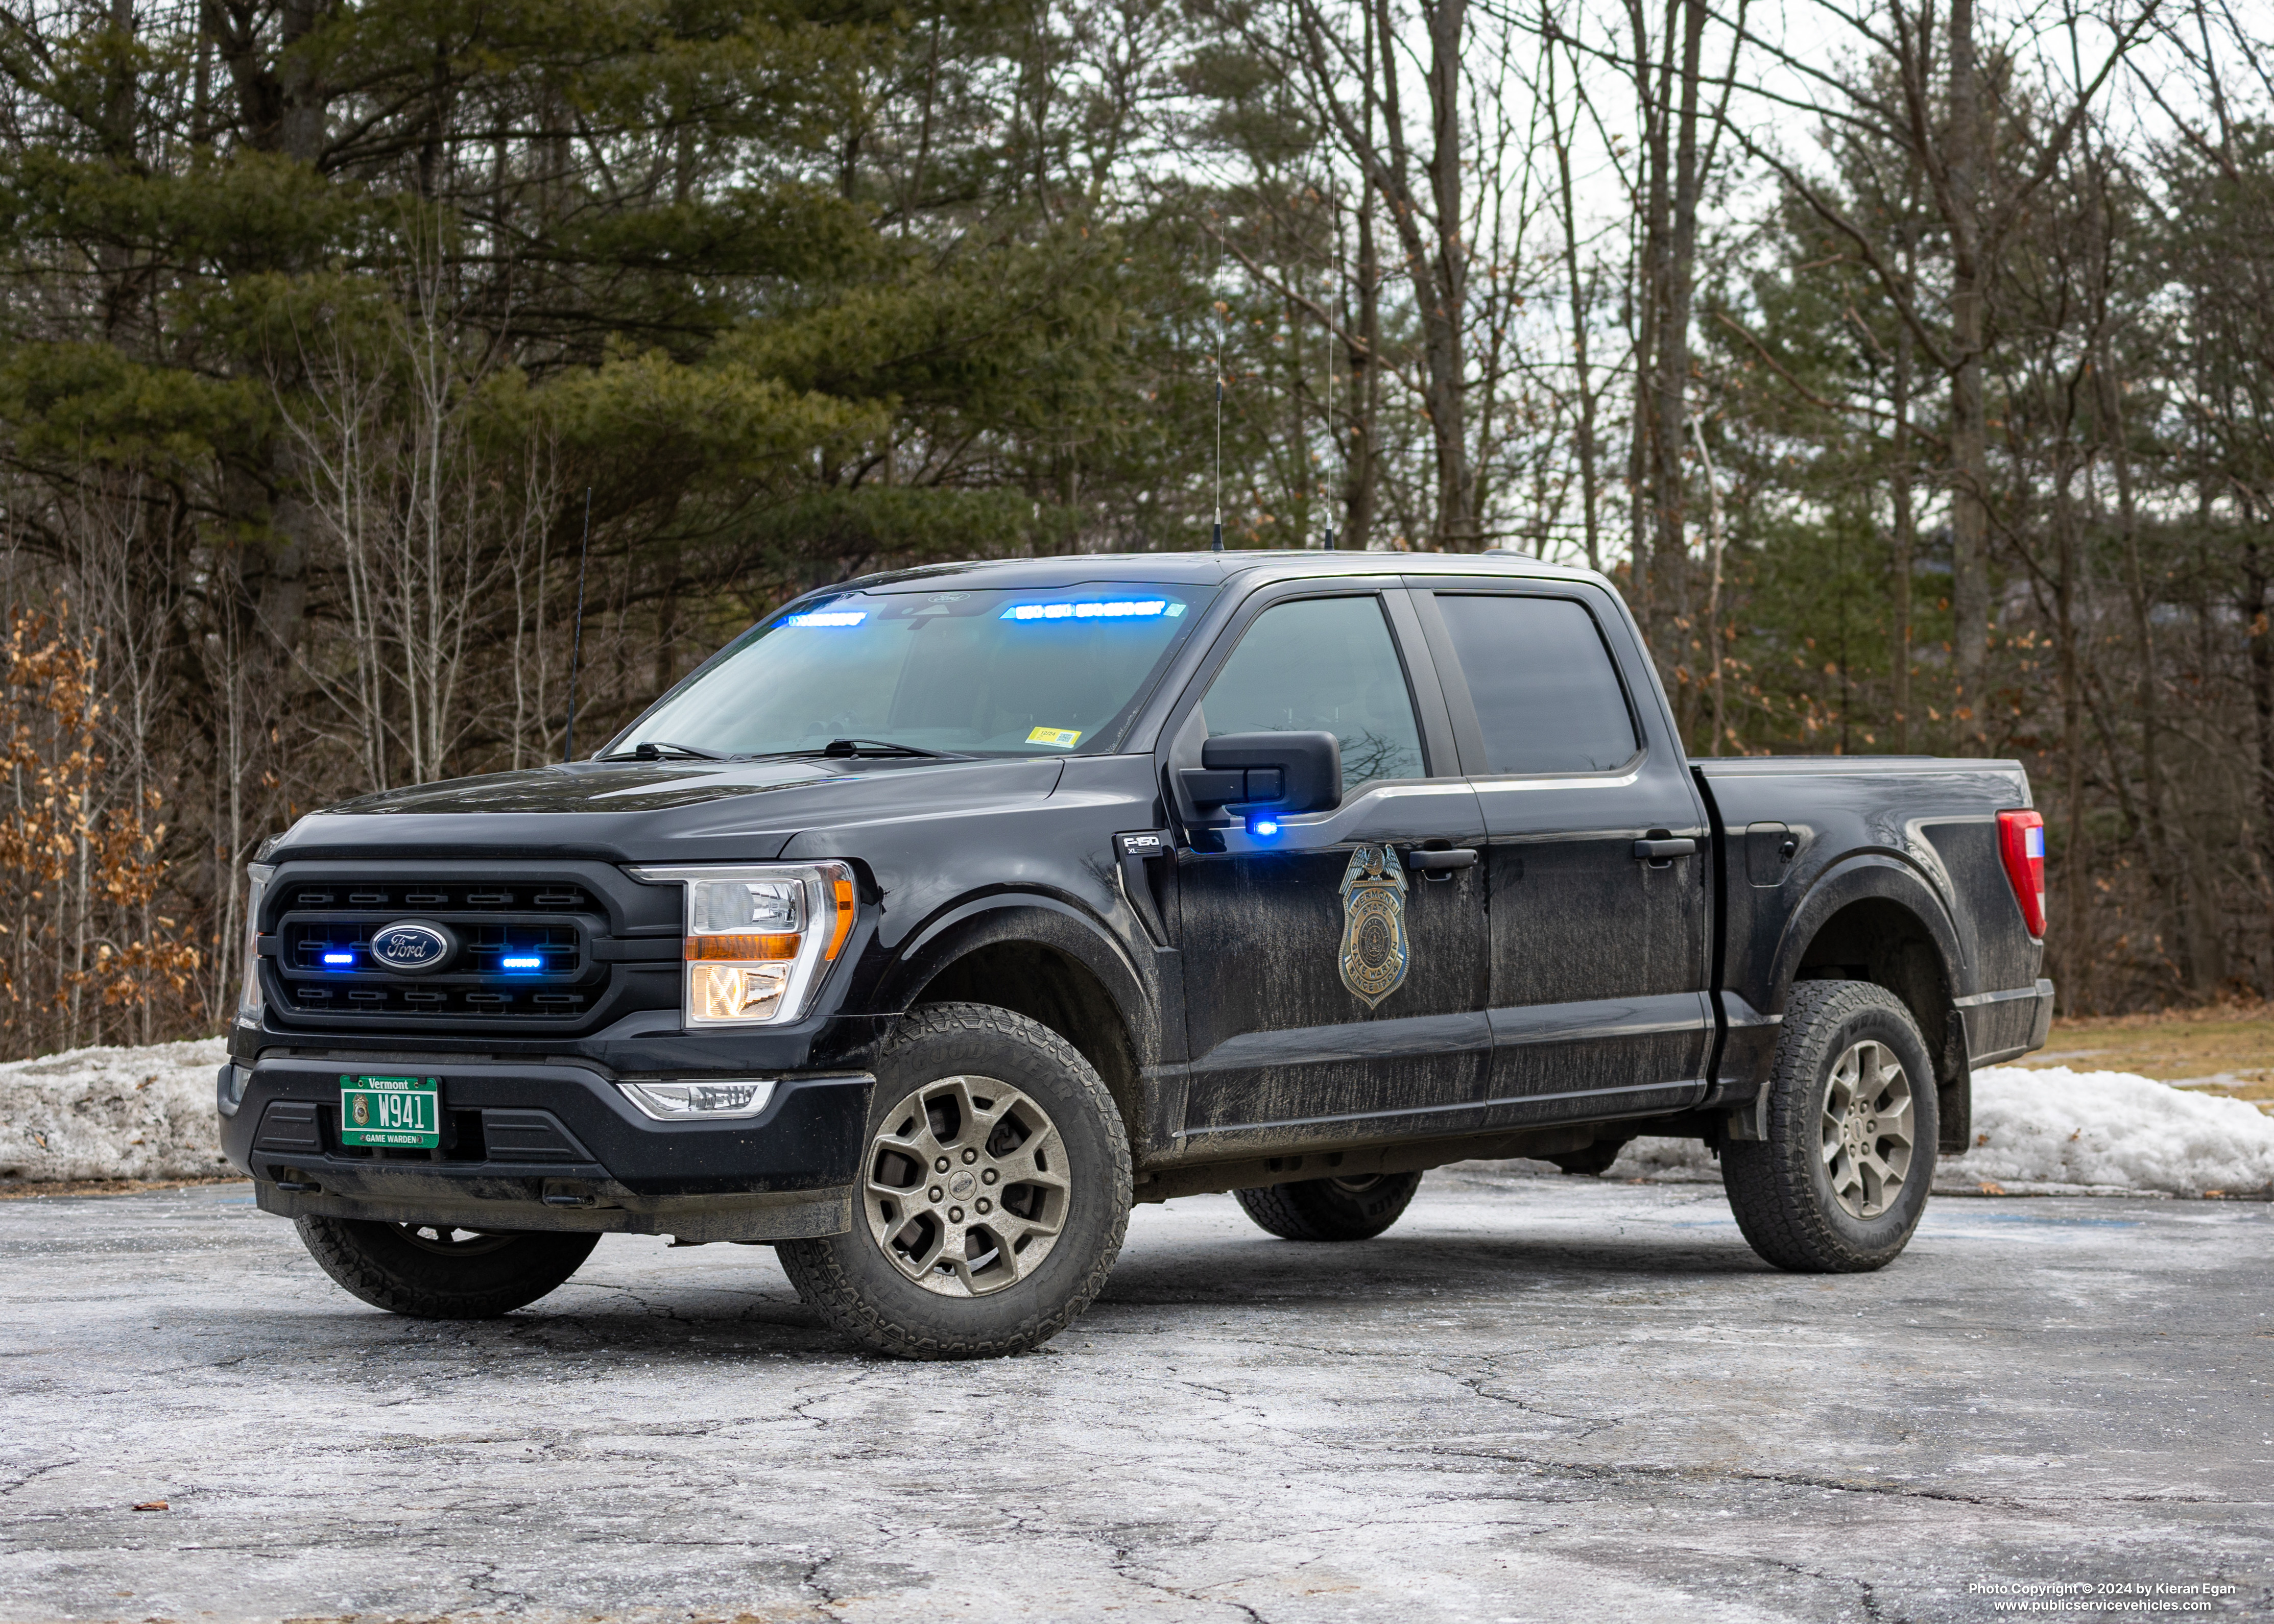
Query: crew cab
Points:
[944, 914]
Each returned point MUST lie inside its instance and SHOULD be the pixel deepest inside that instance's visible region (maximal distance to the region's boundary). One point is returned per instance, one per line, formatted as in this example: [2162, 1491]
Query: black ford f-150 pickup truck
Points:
[944, 914]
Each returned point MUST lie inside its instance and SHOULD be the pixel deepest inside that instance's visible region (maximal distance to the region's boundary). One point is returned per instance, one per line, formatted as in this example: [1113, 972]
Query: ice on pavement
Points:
[149, 1113]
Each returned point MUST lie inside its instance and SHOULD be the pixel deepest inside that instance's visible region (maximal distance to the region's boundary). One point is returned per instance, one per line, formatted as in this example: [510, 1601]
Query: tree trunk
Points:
[1970, 496]
[1647, 562]
[2256, 605]
[1583, 382]
[2074, 862]
[1671, 414]
[1446, 295]
[2165, 875]
[1359, 474]
[1900, 493]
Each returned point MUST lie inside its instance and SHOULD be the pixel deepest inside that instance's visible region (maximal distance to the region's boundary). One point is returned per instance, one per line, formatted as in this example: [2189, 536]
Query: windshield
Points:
[994, 672]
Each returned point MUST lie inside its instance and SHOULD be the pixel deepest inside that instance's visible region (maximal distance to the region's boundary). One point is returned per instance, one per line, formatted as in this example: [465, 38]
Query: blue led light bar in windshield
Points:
[829, 617]
[1112, 609]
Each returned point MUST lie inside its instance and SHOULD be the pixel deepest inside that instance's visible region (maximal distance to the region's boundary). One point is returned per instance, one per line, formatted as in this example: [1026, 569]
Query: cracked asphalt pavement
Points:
[1535, 1398]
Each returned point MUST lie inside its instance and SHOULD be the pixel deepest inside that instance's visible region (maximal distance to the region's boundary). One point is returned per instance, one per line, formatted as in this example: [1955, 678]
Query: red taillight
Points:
[2022, 843]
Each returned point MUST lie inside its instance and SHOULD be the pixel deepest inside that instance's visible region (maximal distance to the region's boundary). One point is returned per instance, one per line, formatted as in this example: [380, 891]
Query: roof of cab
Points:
[1216, 569]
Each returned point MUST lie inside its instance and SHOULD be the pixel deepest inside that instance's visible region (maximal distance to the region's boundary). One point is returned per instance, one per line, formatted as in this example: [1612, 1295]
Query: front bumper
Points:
[551, 1145]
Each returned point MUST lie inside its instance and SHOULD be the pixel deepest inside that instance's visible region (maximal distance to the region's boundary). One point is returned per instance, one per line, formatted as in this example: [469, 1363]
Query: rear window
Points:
[1548, 697]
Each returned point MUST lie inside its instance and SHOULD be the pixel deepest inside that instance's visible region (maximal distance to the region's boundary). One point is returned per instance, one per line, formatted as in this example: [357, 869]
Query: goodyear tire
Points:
[994, 1196]
[435, 1271]
[1842, 1180]
[1331, 1210]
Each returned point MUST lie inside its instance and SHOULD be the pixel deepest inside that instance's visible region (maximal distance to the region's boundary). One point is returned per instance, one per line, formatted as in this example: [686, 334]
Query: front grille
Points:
[537, 949]
[480, 896]
[333, 944]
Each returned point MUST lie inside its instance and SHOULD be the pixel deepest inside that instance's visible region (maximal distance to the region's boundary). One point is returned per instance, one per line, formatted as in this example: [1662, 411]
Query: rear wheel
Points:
[1842, 1180]
[995, 1193]
[439, 1272]
[1331, 1210]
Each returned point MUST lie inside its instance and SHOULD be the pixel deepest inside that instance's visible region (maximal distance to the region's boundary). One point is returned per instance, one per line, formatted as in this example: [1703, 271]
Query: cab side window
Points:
[1325, 665]
[1547, 696]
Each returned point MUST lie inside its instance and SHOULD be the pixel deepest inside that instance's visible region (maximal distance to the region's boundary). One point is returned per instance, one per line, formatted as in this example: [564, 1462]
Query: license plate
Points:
[397, 1113]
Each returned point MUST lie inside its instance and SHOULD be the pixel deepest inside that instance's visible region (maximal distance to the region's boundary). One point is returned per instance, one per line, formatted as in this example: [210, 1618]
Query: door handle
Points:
[1660, 852]
[1441, 864]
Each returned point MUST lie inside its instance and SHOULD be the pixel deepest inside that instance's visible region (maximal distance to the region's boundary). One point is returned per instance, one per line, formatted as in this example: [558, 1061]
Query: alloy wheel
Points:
[966, 1186]
[1867, 1132]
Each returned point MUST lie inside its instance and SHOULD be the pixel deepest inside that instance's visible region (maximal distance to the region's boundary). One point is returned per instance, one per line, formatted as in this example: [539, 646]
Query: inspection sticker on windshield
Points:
[1063, 737]
[399, 1113]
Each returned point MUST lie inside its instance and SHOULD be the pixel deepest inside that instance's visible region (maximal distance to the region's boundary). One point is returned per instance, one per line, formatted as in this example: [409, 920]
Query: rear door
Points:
[1597, 850]
[1333, 992]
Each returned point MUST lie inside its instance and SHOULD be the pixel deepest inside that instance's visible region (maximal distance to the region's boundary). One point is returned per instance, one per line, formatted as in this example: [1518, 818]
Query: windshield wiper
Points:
[880, 747]
[652, 750]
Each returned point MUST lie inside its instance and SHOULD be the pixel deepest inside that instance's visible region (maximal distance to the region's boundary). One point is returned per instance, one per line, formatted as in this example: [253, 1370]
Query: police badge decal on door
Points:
[1375, 951]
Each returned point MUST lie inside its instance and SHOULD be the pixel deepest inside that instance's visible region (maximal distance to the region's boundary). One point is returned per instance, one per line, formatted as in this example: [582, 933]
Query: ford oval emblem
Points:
[412, 946]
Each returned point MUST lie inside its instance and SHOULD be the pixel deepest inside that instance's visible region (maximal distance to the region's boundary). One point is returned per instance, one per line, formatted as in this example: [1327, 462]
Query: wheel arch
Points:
[1874, 919]
[1038, 957]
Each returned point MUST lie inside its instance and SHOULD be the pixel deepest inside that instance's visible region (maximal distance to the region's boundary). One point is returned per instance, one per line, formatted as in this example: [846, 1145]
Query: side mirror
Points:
[1285, 772]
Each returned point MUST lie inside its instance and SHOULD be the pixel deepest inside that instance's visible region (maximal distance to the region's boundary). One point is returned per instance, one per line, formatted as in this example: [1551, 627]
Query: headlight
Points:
[758, 938]
[248, 997]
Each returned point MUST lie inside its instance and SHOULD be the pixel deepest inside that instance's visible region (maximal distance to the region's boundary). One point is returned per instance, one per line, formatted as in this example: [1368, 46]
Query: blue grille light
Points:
[1112, 609]
[829, 617]
[342, 960]
[521, 961]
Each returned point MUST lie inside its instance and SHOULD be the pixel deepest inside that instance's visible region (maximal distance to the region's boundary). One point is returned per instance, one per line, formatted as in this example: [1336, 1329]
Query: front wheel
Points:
[1842, 1180]
[994, 1192]
[438, 1272]
[1331, 1210]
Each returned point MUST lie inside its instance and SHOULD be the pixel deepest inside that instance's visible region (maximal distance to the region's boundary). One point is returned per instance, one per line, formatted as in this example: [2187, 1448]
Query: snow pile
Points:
[112, 1113]
[2111, 1130]
[1666, 1162]
[2055, 1131]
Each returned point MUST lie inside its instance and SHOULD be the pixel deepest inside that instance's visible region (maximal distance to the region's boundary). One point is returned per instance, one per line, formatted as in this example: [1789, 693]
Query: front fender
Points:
[1024, 917]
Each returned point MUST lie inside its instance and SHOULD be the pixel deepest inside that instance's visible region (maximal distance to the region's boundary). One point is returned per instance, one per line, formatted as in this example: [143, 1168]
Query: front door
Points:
[1334, 991]
[1599, 915]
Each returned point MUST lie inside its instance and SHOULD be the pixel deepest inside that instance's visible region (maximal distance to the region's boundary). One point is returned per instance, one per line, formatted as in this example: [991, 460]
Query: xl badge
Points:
[1374, 952]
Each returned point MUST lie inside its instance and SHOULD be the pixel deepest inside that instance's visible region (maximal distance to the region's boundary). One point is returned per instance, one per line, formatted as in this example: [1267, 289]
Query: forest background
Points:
[1909, 363]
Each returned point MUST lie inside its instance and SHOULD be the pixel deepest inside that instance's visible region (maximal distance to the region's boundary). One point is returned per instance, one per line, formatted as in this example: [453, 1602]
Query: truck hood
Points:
[671, 811]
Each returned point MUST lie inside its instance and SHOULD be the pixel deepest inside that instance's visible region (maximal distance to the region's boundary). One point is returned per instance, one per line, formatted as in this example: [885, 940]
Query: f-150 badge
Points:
[1375, 951]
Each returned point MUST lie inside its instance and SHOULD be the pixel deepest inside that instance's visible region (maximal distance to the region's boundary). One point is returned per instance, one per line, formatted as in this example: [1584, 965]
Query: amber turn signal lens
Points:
[743, 949]
[841, 887]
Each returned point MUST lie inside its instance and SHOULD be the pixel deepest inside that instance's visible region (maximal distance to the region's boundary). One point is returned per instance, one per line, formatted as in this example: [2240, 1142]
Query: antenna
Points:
[576, 646]
[1217, 546]
[1334, 290]
[1223, 313]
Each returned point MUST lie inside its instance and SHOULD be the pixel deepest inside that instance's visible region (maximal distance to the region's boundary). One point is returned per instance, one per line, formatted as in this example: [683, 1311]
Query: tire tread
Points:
[1769, 1182]
[548, 1257]
[1311, 1209]
[823, 1283]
